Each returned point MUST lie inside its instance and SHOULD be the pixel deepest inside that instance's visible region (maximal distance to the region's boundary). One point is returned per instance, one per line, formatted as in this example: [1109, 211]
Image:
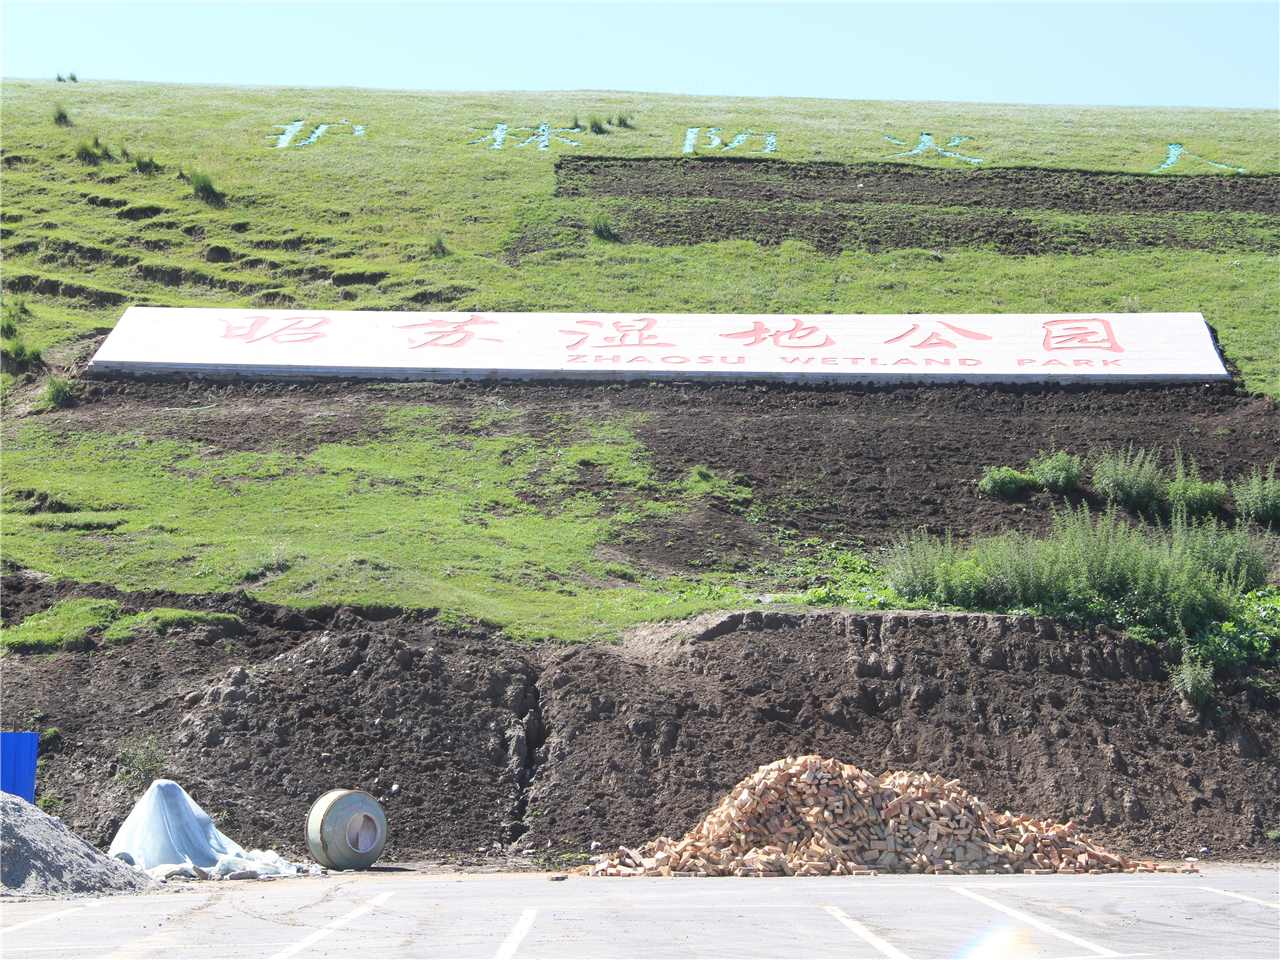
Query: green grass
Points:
[496, 527]
[162, 620]
[1057, 472]
[1178, 582]
[64, 626]
[1191, 494]
[1257, 495]
[380, 200]
[1134, 478]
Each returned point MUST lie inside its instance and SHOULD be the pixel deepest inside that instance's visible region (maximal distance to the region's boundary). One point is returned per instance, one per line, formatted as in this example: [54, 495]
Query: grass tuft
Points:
[1257, 496]
[146, 165]
[602, 227]
[61, 117]
[438, 247]
[1194, 681]
[1133, 478]
[202, 187]
[597, 125]
[1006, 483]
[1189, 493]
[1057, 472]
[163, 620]
[624, 122]
[58, 393]
[64, 626]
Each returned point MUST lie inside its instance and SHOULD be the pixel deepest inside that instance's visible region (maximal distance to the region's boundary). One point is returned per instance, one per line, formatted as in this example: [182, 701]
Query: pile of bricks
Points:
[814, 816]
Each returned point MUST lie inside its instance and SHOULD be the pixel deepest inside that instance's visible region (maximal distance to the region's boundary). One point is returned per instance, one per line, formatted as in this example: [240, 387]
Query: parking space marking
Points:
[1273, 904]
[516, 936]
[48, 916]
[886, 948]
[1039, 924]
[316, 935]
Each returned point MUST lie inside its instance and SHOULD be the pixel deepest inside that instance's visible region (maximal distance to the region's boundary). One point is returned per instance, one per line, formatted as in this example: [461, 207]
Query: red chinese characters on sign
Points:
[1092, 334]
[933, 339]
[636, 332]
[798, 336]
[288, 330]
[447, 333]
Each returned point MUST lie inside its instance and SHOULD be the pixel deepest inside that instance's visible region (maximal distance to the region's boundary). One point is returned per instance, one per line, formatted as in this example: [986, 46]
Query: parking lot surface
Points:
[1226, 913]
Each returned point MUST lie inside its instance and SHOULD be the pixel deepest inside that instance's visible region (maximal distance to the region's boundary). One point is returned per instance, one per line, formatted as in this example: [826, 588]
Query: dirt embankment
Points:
[474, 742]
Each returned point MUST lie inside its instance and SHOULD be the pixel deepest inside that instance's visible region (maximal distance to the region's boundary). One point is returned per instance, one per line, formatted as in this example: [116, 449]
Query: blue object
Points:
[18, 752]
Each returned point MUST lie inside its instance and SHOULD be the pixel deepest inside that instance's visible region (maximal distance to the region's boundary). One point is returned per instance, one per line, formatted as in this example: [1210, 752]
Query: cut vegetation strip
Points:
[1026, 188]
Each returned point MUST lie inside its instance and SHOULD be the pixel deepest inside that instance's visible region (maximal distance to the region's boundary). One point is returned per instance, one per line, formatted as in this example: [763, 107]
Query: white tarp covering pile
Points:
[167, 834]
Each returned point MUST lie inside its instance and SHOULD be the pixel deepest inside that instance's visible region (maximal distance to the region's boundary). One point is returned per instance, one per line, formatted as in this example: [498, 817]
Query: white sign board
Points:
[999, 347]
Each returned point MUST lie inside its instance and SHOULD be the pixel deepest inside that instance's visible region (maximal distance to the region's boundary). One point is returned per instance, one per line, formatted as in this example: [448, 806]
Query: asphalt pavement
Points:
[1225, 913]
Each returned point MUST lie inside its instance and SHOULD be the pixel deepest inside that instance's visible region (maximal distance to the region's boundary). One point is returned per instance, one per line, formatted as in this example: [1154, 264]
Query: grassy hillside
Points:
[493, 508]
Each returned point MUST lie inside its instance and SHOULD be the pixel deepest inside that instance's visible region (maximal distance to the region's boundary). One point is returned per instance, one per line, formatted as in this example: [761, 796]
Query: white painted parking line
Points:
[48, 916]
[317, 935]
[516, 936]
[1275, 905]
[886, 948]
[1039, 924]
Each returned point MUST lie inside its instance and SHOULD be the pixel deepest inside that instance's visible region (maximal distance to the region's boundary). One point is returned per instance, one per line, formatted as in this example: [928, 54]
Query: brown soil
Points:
[473, 742]
[852, 463]
[1023, 188]
[883, 227]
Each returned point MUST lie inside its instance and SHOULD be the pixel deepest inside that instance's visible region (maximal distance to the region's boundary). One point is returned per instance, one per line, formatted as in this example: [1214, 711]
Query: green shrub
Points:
[1176, 582]
[58, 393]
[16, 356]
[602, 227]
[73, 78]
[60, 117]
[1006, 483]
[1252, 635]
[1257, 496]
[597, 125]
[1194, 681]
[203, 188]
[1190, 494]
[438, 247]
[1057, 472]
[1132, 478]
[140, 761]
[65, 625]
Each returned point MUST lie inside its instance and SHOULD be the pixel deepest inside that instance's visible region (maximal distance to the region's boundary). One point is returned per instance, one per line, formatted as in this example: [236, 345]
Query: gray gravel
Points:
[39, 856]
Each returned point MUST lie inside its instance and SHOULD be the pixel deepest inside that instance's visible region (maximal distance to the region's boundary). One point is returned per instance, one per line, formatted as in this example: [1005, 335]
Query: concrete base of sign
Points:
[823, 349]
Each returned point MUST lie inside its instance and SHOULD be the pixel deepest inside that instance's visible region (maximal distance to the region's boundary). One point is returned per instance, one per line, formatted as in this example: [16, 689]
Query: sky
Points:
[1220, 54]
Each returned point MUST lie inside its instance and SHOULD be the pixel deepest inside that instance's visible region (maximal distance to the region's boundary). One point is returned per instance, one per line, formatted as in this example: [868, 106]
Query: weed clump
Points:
[597, 125]
[1194, 681]
[1257, 496]
[202, 188]
[15, 355]
[1189, 493]
[1133, 478]
[1174, 582]
[438, 247]
[93, 152]
[1006, 483]
[624, 122]
[58, 393]
[1057, 472]
[602, 227]
[60, 116]
[146, 165]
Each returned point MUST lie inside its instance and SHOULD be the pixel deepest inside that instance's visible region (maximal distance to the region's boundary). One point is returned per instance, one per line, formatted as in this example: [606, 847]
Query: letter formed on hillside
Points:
[1177, 151]
[933, 338]
[447, 333]
[798, 336]
[288, 330]
[769, 140]
[540, 136]
[636, 332]
[1094, 333]
[926, 144]
[290, 130]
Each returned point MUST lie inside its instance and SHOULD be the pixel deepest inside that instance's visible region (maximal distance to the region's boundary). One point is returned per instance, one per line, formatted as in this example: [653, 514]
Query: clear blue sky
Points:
[1148, 53]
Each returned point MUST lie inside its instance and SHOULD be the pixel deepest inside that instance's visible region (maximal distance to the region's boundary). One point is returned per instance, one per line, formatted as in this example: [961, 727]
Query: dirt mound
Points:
[39, 856]
[1029, 188]
[471, 741]
[815, 816]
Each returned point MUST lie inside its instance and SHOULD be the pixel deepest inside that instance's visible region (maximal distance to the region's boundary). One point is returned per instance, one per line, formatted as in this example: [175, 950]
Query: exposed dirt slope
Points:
[472, 741]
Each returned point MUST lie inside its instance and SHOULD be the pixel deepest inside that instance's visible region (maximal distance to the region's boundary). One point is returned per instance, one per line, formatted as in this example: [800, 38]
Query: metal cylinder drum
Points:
[346, 830]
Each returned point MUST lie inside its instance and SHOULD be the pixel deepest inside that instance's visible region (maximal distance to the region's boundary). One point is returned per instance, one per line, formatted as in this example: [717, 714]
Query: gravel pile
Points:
[814, 816]
[39, 856]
